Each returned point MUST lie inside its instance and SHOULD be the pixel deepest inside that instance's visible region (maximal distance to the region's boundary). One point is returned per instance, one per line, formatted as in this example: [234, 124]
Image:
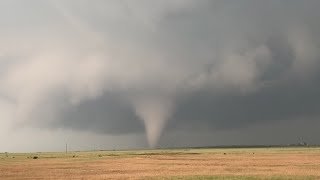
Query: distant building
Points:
[303, 144]
[299, 144]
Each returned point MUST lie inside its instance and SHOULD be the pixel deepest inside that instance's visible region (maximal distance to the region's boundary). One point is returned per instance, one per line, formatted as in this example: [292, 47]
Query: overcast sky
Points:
[122, 74]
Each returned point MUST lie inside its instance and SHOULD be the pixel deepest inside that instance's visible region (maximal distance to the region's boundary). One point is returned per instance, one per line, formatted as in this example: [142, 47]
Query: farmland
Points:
[216, 163]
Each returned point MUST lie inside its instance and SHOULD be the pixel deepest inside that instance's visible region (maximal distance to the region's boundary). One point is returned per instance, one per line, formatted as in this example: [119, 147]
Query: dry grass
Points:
[273, 163]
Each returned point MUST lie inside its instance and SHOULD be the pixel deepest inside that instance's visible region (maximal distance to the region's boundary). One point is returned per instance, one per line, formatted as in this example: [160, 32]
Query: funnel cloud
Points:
[124, 74]
[154, 112]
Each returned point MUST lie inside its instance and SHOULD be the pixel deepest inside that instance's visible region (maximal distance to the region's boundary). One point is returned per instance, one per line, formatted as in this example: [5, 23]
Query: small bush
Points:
[35, 157]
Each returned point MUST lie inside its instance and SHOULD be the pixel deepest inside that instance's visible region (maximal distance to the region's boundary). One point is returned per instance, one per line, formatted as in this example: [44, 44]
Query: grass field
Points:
[241, 163]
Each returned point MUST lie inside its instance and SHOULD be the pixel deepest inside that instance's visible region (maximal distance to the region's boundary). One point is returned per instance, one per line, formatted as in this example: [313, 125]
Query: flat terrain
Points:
[241, 163]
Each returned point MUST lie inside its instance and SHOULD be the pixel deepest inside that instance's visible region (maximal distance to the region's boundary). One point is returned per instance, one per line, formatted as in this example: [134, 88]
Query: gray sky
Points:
[137, 74]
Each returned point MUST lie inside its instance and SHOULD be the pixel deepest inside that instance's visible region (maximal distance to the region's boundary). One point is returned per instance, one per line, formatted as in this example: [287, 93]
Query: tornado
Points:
[155, 113]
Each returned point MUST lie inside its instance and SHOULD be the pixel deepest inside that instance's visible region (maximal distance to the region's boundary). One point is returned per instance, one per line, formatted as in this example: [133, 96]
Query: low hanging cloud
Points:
[122, 67]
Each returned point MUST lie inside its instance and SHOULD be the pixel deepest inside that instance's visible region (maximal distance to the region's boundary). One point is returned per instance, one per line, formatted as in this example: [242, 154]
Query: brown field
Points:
[251, 163]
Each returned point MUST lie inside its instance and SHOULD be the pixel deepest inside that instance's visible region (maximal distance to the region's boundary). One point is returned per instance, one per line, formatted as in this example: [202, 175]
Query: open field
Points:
[241, 163]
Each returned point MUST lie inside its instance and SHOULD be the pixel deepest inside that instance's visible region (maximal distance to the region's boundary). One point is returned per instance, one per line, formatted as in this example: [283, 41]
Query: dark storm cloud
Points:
[282, 102]
[123, 67]
[106, 115]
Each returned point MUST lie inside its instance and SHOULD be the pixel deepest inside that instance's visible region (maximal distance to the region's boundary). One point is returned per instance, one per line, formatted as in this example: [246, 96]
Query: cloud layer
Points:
[122, 67]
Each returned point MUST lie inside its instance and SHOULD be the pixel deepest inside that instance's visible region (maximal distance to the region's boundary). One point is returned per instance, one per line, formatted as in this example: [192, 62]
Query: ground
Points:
[241, 163]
